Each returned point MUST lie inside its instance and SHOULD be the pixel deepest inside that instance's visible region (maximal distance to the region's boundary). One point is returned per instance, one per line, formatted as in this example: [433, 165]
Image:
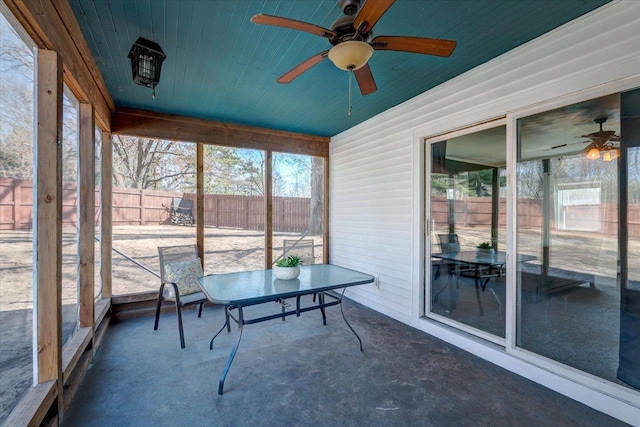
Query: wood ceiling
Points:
[222, 67]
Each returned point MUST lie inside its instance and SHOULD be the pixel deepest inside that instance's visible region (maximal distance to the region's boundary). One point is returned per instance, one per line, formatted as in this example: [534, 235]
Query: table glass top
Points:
[260, 285]
[471, 257]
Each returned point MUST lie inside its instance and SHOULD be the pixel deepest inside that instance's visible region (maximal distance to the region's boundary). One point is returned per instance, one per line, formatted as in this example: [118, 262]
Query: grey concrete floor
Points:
[301, 373]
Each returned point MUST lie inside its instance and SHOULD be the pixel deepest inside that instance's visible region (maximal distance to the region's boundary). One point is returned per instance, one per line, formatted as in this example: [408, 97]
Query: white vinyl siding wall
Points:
[375, 168]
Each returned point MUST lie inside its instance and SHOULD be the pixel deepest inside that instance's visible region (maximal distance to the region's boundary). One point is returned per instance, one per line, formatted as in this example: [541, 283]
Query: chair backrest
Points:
[449, 243]
[172, 254]
[304, 249]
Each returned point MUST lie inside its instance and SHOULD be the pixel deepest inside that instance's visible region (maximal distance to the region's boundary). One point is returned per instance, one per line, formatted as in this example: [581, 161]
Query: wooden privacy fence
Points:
[16, 204]
[148, 207]
[290, 214]
[476, 212]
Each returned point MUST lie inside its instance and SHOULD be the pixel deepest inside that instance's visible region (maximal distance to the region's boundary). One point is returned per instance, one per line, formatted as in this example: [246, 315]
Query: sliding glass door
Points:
[467, 237]
[573, 296]
[577, 196]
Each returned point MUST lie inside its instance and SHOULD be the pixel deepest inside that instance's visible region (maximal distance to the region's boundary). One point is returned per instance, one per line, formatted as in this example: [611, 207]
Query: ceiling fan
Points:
[353, 42]
[600, 142]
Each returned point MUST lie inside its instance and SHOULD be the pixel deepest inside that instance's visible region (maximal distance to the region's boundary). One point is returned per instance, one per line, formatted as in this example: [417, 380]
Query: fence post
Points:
[17, 204]
[217, 201]
[142, 200]
[246, 212]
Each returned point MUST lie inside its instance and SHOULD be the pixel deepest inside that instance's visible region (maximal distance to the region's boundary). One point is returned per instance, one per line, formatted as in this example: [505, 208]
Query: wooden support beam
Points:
[200, 201]
[86, 208]
[52, 25]
[268, 209]
[48, 218]
[148, 124]
[325, 214]
[106, 239]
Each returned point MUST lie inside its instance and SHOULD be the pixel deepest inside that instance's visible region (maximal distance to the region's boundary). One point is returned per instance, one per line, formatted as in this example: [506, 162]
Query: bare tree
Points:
[17, 66]
[153, 164]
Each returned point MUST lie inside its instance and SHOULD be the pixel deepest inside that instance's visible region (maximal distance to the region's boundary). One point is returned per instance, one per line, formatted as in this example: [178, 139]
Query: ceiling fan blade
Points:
[365, 80]
[278, 21]
[565, 145]
[290, 75]
[423, 45]
[370, 13]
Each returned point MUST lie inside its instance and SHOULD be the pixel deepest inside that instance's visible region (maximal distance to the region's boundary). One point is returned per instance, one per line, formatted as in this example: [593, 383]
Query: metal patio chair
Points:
[180, 267]
[450, 243]
[304, 249]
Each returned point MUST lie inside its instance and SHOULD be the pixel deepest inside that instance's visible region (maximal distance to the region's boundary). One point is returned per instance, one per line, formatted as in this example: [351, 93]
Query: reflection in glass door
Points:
[570, 208]
[629, 350]
[468, 230]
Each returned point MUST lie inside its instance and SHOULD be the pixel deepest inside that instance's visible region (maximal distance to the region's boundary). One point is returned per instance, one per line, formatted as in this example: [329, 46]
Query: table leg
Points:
[479, 301]
[324, 315]
[226, 323]
[345, 319]
[233, 351]
[476, 275]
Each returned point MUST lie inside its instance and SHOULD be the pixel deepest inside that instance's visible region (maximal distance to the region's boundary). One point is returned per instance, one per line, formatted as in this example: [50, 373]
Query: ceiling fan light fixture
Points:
[593, 154]
[350, 55]
[610, 155]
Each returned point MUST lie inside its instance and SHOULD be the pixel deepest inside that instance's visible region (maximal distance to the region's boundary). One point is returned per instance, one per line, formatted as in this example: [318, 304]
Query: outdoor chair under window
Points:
[180, 268]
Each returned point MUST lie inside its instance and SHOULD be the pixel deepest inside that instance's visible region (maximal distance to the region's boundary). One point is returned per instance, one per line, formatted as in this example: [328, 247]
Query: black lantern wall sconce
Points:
[146, 62]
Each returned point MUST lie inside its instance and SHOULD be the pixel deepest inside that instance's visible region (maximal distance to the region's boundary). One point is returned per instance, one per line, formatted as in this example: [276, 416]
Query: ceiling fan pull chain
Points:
[350, 79]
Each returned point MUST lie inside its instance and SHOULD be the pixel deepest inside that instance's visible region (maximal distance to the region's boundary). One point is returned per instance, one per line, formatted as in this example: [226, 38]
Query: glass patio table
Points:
[238, 290]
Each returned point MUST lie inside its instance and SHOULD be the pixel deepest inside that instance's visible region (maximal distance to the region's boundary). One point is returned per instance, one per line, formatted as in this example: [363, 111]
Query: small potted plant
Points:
[484, 248]
[287, 268]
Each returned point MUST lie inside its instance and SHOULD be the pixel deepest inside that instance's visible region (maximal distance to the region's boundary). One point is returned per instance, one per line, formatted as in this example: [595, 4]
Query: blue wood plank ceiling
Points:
[222, 67]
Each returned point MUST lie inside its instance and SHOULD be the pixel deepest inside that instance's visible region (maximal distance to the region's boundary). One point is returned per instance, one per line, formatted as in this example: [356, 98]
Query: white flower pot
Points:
[286, 273]
[484, 252]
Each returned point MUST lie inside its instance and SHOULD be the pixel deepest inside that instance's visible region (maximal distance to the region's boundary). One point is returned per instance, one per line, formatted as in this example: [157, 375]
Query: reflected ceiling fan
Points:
[601, 142]
[353, 42]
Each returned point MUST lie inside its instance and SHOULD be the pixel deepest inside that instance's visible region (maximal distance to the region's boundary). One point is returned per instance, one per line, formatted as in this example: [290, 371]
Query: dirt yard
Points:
[225, 250]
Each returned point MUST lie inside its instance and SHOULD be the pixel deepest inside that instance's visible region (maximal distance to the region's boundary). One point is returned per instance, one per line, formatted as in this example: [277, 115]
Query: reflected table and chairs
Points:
[478, 265]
